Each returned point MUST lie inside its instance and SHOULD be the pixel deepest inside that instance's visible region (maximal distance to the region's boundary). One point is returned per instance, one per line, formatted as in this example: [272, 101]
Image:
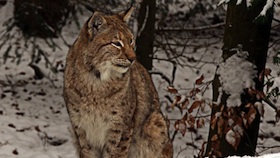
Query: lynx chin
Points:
[111, 100]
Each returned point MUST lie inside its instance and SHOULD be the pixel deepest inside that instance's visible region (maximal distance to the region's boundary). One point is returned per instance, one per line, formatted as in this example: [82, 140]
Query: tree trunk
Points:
[146, 29]
[243, 27]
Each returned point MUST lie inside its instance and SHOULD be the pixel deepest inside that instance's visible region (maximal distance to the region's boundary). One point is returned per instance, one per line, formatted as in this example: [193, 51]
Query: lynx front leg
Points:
[117, 144]
[84, 148]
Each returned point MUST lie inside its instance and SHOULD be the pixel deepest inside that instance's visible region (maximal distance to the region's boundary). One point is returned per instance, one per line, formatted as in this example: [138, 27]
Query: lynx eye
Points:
[117, 44]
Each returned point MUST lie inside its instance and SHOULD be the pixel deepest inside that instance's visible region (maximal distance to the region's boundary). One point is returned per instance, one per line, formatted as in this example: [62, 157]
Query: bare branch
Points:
[162, 75]
[266, 100]
[277, 20]
[200, 28]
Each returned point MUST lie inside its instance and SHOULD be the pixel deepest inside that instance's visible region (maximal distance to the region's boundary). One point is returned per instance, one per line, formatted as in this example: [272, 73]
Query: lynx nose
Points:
[131, 55]
[131, 59]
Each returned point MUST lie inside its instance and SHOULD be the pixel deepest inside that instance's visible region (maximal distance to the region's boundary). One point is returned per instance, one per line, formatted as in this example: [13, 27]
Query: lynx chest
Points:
[96, 127]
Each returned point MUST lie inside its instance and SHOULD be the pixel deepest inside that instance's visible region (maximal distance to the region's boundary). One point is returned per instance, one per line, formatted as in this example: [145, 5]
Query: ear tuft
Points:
[125, 15]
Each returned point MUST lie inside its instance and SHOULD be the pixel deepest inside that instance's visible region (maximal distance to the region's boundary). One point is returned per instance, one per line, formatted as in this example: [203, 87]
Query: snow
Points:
[223, 1]
[33, 118]
[268, 5]
[235, 80]
[231, 137]
[35, 123]
[249, 3]
[275, 155]
[238, 2]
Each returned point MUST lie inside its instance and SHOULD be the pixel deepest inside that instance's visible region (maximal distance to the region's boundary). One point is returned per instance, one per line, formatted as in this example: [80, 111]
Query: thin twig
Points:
[200, 28]
[266, 100]
[162, 75]
[276, 20]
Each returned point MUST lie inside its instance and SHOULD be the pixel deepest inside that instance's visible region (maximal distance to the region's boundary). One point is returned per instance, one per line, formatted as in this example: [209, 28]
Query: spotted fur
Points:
[111, 100]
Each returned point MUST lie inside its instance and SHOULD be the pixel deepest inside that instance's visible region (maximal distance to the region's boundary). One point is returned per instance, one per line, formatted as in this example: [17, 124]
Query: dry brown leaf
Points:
[219, 153]
[214, 137]
[238, 133]
[250, 116]
[173, 104]
[238, 139]
[220, 125]
[267, 72]
[199, 80]
[194, 91]
[261, 76]
[231, 138]
[194, 105]
[180, 126]
[248, 105]
[175, 101]
[264, 73]
[172, 90]
[191, 121]
[252, 92]
[185, 104]
[213, 123]
[260, 95]
[238, 130]
[238, 121]
[200, 123]
[214, 119]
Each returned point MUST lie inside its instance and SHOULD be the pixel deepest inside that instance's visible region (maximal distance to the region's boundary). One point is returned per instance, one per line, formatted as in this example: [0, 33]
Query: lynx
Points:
[111, 100]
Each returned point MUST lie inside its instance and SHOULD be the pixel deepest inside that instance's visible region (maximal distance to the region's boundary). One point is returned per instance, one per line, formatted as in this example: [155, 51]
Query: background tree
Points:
[182, 40]
[234, 126]
[146, 32]
[33, 21]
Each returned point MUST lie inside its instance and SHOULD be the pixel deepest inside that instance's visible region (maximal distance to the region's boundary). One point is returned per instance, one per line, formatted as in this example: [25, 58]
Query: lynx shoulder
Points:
[111, 100]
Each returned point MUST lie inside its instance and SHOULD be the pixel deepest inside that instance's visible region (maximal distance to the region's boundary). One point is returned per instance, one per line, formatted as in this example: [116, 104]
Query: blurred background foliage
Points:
[36, 20]
[187, 33]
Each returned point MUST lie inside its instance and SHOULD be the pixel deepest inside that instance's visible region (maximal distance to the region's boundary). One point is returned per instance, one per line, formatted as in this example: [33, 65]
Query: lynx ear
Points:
[125, 15]
[95, 23]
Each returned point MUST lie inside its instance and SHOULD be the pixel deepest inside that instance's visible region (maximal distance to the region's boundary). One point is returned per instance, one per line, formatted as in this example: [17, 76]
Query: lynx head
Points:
[108, 44]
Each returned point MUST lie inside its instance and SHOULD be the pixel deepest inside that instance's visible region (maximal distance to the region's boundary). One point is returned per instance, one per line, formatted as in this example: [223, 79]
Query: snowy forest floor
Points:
[35, 124]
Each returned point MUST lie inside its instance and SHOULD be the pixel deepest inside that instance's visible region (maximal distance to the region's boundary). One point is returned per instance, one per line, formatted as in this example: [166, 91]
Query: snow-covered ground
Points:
[34, 122]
